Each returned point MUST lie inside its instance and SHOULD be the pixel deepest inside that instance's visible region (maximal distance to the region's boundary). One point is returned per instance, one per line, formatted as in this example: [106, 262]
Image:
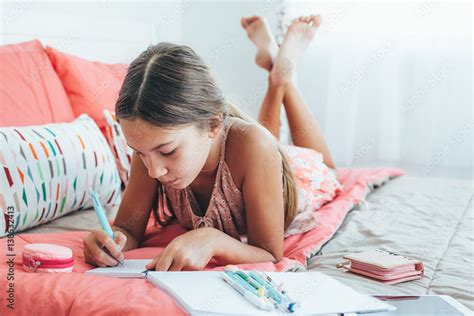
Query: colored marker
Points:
[293, 303]
[255, 300]
[242, 282]
[263, 286]
[249, 279]
[277, 297]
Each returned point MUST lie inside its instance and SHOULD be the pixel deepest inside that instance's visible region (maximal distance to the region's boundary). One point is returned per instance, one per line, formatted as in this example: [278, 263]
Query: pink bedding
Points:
[77, 294]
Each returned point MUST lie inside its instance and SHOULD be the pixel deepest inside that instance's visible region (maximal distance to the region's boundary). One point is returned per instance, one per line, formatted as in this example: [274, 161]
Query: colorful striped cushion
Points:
[45, 172]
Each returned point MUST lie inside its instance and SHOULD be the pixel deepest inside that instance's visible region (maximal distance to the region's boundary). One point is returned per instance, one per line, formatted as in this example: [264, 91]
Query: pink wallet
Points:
[47, 258]
[383, 266]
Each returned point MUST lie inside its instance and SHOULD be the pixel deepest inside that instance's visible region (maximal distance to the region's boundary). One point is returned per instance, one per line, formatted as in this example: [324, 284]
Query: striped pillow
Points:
[45, 172]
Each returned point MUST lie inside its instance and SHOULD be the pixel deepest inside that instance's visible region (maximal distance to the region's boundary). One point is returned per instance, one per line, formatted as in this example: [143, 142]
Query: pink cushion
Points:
[30, 90]
[91, 86]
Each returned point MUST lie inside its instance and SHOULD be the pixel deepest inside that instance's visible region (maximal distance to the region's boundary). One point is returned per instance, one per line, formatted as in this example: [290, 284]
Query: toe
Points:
[304, 19]
[253, 19]
[246, 21]
[316, 19]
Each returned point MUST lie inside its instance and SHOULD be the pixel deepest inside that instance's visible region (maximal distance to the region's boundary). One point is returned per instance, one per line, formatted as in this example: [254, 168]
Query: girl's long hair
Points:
[170, 86]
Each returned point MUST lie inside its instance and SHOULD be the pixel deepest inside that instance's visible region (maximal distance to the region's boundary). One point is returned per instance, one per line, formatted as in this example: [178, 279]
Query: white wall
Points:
[364, 125]
[390, 83]
[213, 30]
[101, 30]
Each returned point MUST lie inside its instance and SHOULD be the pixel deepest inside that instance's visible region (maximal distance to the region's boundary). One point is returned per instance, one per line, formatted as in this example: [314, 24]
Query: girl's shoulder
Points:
[242, 131]
[247, 142]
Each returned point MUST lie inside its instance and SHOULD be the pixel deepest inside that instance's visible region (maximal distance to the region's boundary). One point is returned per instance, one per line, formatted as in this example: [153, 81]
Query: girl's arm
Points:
[262, 190]
[135, 208]
[229, 250]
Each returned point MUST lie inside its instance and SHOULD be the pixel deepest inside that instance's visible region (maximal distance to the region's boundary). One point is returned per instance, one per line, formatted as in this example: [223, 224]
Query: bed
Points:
[429, 218]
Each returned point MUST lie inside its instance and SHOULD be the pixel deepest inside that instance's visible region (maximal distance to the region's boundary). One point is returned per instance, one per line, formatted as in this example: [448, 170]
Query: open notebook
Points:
[205, 292]
[132, 268]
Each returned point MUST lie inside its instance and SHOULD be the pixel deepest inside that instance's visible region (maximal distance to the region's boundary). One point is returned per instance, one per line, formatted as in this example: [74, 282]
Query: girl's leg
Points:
[304, 128]
[269, 115]
[259, 33]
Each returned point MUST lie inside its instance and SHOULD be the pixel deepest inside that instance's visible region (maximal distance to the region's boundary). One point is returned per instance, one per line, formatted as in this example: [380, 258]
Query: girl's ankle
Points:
[278, 80]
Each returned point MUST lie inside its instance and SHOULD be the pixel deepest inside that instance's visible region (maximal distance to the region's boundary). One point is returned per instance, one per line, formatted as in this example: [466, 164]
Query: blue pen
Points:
[99, 210]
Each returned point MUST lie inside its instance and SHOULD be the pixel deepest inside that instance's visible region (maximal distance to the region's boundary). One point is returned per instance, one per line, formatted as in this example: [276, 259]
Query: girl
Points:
[199, 160]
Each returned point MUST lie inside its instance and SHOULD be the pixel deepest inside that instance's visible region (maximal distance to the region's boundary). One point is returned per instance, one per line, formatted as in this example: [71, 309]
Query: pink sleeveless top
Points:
[316, 184]
[225, 211]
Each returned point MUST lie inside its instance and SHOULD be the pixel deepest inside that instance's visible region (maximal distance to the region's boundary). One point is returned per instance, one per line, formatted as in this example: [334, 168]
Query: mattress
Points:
[427, 218]
[81, 220]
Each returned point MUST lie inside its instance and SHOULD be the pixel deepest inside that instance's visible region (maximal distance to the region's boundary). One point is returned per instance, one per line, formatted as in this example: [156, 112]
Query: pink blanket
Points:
[77, 294]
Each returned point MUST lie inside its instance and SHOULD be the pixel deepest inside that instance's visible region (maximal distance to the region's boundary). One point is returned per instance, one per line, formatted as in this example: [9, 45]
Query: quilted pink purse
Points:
[47, 258]
[383, 266]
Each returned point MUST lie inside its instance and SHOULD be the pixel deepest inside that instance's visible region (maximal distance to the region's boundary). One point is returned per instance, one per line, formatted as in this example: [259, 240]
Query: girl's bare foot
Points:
[259, 33]
[299, 35]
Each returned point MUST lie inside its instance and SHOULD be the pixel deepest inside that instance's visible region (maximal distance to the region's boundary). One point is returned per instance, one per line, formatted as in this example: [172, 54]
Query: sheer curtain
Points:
[391, 84]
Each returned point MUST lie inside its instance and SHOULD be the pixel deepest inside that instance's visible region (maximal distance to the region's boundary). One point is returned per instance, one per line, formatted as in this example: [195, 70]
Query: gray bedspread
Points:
[428, 218]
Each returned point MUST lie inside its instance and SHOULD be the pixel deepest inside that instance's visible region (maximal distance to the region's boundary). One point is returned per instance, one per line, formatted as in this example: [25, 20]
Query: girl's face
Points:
[172, 156]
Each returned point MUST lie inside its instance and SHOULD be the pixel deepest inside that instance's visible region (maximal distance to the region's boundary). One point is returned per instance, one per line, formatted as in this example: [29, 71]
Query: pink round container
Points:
[47, 258]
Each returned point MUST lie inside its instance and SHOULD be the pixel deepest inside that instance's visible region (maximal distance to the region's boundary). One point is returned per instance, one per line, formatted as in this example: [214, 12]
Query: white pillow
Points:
[45, 172]
[118, 145]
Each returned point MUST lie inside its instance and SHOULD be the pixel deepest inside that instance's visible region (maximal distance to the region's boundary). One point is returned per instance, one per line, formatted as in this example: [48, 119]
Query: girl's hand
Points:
[190, 251]
[94, 253]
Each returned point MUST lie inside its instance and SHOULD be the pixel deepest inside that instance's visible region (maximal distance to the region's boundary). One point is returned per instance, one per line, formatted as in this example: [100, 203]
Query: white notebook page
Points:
[132, 268]
[206, 293]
